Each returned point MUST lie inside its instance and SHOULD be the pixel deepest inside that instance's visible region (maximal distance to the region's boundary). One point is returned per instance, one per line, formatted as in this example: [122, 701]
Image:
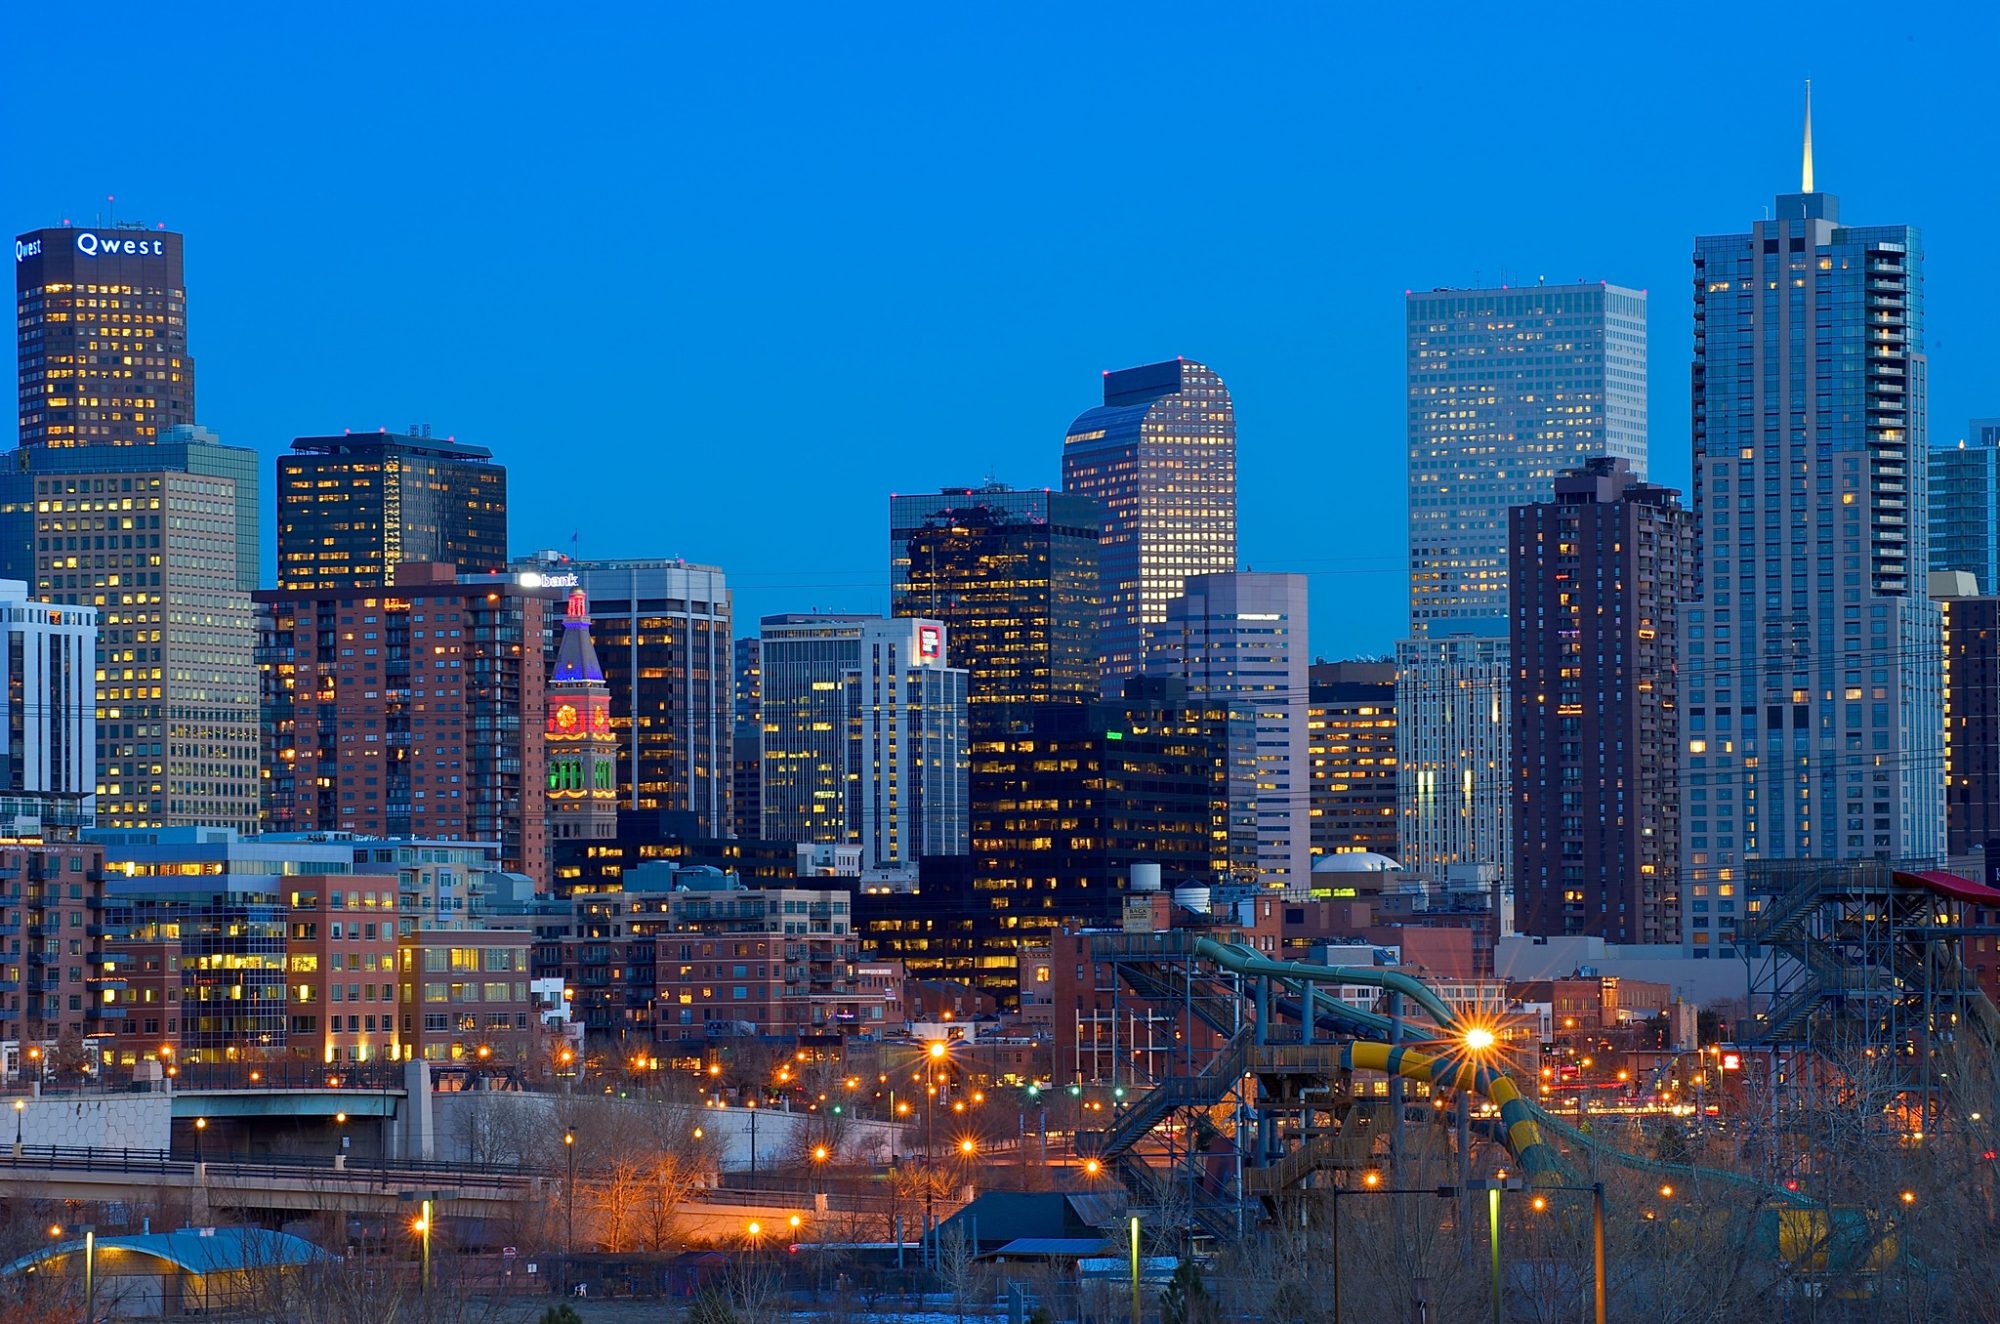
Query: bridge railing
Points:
[78, 1158]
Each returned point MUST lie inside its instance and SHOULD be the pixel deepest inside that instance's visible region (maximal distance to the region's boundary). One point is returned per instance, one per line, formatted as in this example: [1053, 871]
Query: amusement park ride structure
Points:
[1270, 1079]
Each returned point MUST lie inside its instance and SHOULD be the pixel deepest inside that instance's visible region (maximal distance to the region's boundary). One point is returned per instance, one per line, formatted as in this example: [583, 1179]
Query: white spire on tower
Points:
[1806, 180]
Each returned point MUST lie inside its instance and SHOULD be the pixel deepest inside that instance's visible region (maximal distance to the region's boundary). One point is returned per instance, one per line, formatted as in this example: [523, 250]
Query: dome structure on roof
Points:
[1360, 861]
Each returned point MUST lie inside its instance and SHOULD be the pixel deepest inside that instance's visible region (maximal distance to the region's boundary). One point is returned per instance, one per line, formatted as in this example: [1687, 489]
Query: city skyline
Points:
[373, 285]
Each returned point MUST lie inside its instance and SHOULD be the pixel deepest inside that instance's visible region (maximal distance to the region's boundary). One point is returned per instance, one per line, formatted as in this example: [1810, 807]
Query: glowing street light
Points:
[1478, 1039]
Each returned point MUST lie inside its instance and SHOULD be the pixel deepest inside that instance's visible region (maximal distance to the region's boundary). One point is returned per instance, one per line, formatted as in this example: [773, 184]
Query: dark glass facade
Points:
[226, 948]
[1063, 806]
[747, 757]
[354, 507]
[1972, 723]
[645, 836]
[102, 320]
[1013, 577]
[663, 634]
[1351, 744]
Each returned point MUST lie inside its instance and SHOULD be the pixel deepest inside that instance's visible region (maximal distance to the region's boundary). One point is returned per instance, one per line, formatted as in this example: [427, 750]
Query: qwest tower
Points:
[1814, 723]
[103, 326]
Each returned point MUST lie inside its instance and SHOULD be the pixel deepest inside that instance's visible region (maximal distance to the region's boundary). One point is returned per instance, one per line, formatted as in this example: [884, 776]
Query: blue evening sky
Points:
[714, 280]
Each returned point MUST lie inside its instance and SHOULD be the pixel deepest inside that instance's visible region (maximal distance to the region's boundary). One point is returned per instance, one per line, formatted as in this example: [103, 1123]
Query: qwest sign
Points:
[27, 248]
[91, 244]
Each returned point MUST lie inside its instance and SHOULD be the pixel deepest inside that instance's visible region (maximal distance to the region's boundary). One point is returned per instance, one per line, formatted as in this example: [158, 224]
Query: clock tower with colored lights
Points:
[582, 751]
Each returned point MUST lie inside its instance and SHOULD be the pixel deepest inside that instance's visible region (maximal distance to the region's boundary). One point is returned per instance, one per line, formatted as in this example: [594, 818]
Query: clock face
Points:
[566, 717]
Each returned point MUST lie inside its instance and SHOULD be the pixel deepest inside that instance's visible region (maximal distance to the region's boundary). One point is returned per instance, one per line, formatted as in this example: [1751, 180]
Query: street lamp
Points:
[1539, 1202]
[569, 1193]
[422, 1227]
[200, 1125]
[1135, 1269]
[933, 1054]
[1371, 1184]
[89, 1231]
[20, 1107]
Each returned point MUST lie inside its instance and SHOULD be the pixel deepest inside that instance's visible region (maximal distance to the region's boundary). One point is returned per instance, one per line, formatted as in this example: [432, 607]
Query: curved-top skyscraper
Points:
[1160, 456]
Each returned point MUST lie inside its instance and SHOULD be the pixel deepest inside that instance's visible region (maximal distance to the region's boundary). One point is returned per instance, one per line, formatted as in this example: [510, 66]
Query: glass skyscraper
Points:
[1160, 458]
[1507, 389]
[1964, 505]
[1811, 673]
[662, 632]
[354, 507]
[1240, 639]
[805, 660]
[1013, 576]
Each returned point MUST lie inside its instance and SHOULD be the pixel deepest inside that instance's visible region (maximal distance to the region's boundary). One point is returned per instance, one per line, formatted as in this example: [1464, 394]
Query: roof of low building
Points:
[198, 1250]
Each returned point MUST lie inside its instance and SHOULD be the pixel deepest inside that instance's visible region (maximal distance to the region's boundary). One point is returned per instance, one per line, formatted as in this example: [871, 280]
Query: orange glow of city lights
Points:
[937, 1049]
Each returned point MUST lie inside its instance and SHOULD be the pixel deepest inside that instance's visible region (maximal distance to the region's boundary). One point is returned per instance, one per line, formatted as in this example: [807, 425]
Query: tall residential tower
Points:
[1597, 578]
[1814, 724]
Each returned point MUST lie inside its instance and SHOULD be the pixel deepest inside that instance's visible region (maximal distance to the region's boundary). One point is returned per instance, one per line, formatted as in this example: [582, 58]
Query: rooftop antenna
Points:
[1805, 166]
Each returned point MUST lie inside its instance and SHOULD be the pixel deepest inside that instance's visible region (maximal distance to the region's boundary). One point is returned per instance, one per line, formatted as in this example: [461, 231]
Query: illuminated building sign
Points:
[90, 245]
[930, 642]
[531, 579]
[27, 248]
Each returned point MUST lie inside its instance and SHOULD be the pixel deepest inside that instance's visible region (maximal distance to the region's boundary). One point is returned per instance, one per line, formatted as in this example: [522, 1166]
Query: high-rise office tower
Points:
[354, 507]
[1013, 576]
[1507, 389]
[1452, 753]
[1064, 804]
[1159, 456]
[102, 314]
[1963, 505]
[1351, 744]
[746, 754]
[805, 661]
[1241, 638]
[48, 716]
[1814, 723]
[1597, 578]
[905, 711]
[411, 711]
[115, 500]
[582, 751]
[162, 540]
[663, 635]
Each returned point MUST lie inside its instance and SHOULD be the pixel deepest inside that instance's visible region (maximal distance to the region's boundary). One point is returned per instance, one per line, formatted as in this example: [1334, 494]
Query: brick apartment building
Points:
[51, 916]
[410, 711]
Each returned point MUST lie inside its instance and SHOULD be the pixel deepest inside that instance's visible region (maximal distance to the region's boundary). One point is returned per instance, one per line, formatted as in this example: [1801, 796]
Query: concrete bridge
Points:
[302, 1186]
